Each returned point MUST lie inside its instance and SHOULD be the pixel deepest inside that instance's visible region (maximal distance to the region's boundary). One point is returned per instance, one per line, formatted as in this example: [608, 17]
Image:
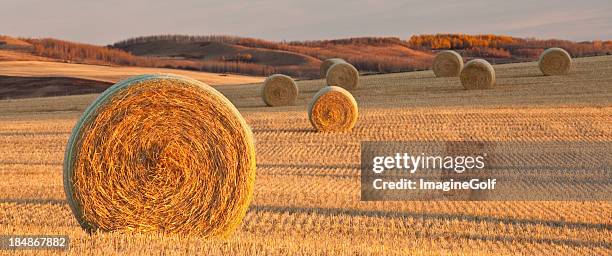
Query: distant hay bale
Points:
[477, 74]
[328, 63]
[343, 74]
[333, 109]
[160, 153]
[447, 64]
[279, 90]
[555, 62]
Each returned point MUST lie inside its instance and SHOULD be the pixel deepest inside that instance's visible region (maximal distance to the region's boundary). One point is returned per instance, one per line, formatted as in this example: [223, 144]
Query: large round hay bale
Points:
[328, 63]
[477, 74]
[343, 74]
[160, 153]
[447, 64]
[333, 109]
[279, 90]
[555, 61]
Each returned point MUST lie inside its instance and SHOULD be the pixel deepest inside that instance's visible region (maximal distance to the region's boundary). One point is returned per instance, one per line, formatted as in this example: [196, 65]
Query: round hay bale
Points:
[160, 153]
[343, 74]
[477, 74]
[279, 90]
[328, 63]
[555, 62]
[447, 64]
[333, 109]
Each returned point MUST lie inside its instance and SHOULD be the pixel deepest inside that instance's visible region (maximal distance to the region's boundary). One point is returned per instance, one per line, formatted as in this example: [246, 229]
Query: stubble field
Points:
[307, 187]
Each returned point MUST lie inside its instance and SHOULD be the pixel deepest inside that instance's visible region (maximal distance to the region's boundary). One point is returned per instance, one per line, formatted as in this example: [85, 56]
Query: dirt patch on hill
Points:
[15, 87]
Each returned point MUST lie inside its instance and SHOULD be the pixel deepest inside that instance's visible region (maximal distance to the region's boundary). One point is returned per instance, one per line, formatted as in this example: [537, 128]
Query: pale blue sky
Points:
[107, 21]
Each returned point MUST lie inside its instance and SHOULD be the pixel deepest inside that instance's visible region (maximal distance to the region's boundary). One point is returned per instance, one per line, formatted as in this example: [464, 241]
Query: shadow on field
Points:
[37, 134]
[295, 130]
[530, 240]
[354, 167]
[37, 201]
[524, 75]
[444, 217]
[311, 166]
[15, 87]
[455, 217]
[31, 162]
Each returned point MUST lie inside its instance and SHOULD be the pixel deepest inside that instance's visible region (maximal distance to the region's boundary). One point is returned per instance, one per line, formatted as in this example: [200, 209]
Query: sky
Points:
[107, 21]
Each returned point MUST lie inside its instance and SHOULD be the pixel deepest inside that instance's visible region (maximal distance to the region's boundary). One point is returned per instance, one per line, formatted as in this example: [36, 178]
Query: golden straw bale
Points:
[343, 74]
[333, 109]
[555, 62]
[328, 63]
[477, 74]
[447, 64]
[279, 90]
[160, 153]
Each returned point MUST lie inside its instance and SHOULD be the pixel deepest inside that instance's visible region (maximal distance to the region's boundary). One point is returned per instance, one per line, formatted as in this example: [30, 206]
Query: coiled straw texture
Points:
[477, 74]
[160, 153]
[279, 90]
[447, 64]
[555, 62]
[333, 109]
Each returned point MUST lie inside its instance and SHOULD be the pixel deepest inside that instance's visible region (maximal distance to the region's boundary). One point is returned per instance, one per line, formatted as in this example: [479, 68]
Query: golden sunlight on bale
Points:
[160, 153]
[555, 62]
[328, 63]
[447, 64]
[279, 90]
[477, 74]
[333, 109]
[343, 74]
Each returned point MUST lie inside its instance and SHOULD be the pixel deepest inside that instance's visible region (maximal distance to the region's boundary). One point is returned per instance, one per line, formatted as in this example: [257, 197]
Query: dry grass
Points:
[306, 198]
[108, 73]
[172, 166]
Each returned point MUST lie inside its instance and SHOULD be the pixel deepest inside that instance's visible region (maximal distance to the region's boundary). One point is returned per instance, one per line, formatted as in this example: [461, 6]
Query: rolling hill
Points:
[220, 52]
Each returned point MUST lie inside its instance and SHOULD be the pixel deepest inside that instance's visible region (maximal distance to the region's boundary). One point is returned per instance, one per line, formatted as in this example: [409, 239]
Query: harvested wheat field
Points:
[307, 195]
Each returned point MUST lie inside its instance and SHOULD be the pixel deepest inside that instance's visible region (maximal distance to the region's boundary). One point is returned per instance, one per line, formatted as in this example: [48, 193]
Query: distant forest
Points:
[506, 46]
